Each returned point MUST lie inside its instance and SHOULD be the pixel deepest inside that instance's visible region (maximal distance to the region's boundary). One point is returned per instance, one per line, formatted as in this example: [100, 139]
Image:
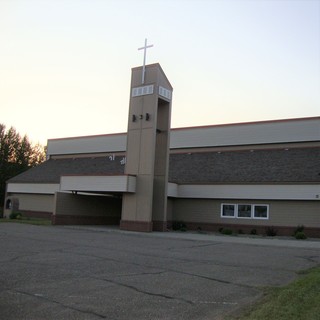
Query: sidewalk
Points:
[288, 242]
[243, 239]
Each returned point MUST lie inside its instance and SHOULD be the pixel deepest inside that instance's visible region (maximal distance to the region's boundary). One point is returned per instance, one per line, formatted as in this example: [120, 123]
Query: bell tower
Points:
[148, 141]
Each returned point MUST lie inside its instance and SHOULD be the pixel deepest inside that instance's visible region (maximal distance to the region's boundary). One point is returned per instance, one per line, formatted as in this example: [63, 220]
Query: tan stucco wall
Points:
[281, 213]
[35, 202]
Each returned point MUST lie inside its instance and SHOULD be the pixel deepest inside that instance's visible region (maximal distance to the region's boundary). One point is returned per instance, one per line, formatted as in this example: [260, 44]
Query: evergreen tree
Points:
[17, 154]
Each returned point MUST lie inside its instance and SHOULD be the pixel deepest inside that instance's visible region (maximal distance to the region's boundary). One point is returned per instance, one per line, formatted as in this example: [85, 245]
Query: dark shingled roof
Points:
[258, 166]
[51, 170]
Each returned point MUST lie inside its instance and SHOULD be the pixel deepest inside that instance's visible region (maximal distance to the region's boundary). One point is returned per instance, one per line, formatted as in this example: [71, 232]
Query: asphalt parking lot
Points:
[80, 273]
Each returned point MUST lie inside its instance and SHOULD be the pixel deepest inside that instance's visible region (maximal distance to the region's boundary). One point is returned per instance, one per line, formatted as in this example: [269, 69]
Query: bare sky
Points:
[65, 65]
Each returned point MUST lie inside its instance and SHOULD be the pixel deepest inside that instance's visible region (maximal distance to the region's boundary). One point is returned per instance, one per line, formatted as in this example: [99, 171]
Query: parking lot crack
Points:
[152, 294]
[141, 274]
[21, 256]
[313, 259]
[47, 299]
[214, 279]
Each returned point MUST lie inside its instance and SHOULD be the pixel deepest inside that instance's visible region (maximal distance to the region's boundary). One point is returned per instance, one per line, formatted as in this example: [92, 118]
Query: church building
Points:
[248, 177]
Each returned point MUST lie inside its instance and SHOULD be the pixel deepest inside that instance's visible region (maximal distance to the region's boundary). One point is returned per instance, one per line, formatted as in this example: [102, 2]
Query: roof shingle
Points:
[301, 165]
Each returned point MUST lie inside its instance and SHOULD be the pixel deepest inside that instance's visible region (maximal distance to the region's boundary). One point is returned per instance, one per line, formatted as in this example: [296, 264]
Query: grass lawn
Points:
[298, 300]
[34, 221]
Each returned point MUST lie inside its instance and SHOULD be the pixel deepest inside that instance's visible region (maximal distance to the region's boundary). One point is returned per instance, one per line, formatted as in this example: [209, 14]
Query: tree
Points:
[17, 154]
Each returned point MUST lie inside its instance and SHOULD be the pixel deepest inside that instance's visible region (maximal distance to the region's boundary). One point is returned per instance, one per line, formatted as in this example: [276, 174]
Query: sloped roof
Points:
[51, 170]
[249, 166]
[297, 165]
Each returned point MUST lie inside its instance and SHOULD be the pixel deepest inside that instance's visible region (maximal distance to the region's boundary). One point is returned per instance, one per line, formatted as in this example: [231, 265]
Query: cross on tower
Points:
[144, 57]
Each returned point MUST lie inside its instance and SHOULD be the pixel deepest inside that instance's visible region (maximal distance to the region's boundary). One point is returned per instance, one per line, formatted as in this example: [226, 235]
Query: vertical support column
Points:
[148, 150]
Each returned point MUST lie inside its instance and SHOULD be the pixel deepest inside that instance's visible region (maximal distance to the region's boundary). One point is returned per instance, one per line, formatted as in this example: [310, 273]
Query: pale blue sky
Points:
[65, 65]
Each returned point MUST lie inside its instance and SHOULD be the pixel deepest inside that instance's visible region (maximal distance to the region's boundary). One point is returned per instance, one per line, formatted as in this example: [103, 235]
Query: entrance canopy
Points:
[98, 183]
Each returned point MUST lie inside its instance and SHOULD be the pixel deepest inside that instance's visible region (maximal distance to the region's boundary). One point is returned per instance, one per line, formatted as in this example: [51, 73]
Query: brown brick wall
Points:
[140, 226]
[247, 228]
[83, 220]
[36, 214]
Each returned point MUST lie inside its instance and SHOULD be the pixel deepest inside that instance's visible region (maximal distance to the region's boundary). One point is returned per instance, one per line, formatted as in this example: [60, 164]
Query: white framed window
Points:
[245, 211]
[228, 210]
[261, 211]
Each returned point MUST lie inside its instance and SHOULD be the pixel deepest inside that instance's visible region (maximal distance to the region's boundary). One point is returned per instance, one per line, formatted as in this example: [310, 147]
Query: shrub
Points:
[271, 231]
[226, 231]
[15, 215]
[253, 231]
[179, 225]
[299, 228]
[300, 235]
[299, 232]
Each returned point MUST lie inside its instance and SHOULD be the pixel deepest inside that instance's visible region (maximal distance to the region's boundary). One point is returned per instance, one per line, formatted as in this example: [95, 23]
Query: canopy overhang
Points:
[101, 183]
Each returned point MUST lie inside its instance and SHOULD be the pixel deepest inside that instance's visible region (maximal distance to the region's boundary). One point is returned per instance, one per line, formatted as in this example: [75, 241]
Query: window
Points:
[245, 211]
[261, 211]
[8, 204]
[228, 210]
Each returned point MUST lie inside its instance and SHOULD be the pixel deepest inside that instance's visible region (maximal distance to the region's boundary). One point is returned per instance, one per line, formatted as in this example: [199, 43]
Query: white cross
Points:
[144, 57]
